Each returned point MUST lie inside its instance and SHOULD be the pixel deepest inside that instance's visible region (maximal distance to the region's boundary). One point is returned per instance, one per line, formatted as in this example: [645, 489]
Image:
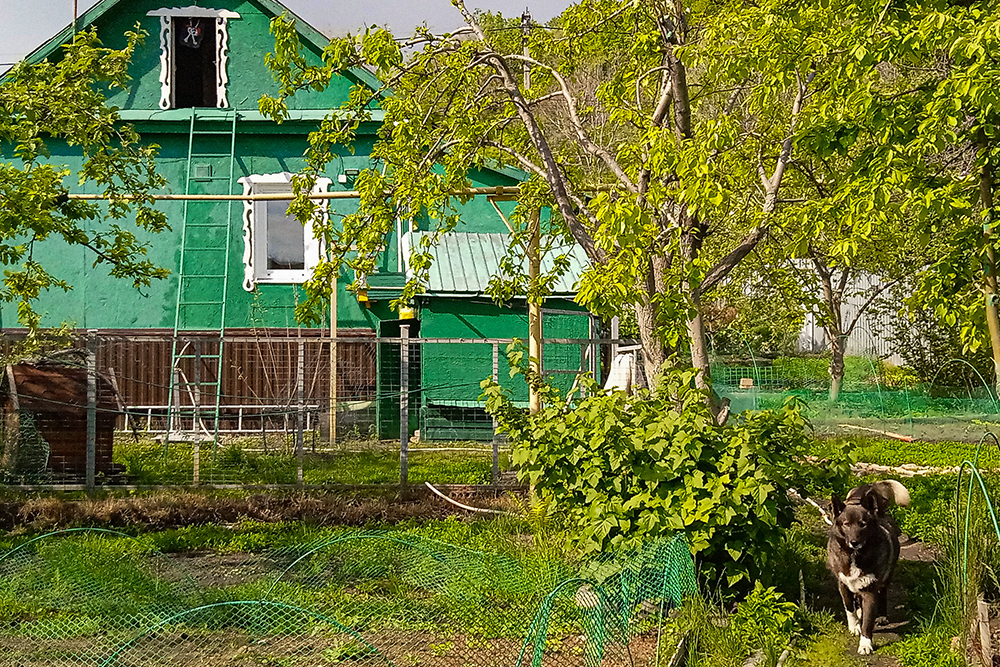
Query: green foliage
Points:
[623, 468]
[926, 649]
[61, 101]
[764, 620]
[930, 346]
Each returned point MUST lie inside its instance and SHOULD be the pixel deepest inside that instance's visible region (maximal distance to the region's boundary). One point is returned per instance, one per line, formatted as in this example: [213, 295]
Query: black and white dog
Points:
[862, 552]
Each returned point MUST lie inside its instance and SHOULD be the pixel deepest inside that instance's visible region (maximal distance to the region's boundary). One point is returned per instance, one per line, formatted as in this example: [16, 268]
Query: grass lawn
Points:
[237, 560]
[147, 463]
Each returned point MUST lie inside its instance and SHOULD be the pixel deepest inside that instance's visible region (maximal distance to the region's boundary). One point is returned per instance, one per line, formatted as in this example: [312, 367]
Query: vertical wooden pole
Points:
[333, 360]
[91, 408]
[300, 386]
[404, 404]
[534, 253]
[196, 456]
[496, 438]
[534, 312]
[991, 293]
[594, 329]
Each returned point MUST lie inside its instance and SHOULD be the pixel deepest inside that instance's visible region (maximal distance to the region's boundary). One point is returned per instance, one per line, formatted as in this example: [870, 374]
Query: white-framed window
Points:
[277, 248]
[194, 53]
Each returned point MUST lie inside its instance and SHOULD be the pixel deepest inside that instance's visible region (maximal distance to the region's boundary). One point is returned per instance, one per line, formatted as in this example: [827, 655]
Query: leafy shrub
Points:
[623, 468]
[764, 620]
[926, 344]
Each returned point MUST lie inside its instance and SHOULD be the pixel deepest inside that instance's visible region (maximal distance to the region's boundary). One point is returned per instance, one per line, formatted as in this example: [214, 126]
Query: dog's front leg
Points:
[869, 608]
[852, 609]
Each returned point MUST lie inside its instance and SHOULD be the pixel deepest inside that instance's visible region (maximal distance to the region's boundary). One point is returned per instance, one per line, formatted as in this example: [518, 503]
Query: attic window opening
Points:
[194, 52]
[195, 63]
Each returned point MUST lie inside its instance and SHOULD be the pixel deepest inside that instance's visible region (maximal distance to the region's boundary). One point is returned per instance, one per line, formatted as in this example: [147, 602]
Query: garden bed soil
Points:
[224, 649]
[164, 510]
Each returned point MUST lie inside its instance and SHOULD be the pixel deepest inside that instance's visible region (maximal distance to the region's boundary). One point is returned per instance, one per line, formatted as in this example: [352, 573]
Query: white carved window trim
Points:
[255, 237]
[167, 17]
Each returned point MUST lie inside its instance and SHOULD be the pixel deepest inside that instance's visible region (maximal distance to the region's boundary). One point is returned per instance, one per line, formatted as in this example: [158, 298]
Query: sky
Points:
[27, 24]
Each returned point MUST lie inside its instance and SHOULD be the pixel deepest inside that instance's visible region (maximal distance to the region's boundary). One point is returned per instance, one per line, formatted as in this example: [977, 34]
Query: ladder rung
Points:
[205, 249]
[203, 275]
[208, 225]
[201, 303]
[198, 356]
[196, 155]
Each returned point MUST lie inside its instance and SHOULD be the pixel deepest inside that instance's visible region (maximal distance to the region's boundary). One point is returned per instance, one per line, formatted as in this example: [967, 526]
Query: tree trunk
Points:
[990, 279]
[838, 345]
[654, 354]
[699, 350]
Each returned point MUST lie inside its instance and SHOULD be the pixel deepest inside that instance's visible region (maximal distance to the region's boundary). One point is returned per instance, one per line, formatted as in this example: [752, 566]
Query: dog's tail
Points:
[893, 490]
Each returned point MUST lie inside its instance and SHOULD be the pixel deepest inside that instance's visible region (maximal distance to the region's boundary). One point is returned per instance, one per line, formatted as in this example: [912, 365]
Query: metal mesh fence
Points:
[85, 597]
[256, 409]
[872, 399]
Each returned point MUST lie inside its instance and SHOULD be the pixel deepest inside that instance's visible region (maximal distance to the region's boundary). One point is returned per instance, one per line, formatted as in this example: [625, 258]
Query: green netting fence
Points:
[102, 598]
[871, 397]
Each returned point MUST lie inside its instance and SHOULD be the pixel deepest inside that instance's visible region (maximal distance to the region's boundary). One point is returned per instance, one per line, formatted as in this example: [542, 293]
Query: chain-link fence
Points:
[88, 597]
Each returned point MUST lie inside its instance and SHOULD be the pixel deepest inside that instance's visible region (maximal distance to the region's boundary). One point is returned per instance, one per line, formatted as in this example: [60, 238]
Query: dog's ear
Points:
[838, 504]
[874, 502]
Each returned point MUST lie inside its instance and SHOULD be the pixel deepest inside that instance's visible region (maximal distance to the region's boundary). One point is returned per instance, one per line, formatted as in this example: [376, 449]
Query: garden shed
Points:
[44, 426]
[460, 326]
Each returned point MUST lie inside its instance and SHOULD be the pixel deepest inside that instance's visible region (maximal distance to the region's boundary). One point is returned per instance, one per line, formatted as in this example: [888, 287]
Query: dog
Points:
[862, 551]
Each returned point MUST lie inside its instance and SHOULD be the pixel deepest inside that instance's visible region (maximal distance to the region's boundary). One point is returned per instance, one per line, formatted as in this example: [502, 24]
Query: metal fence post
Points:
[300, 385]
[404, 403]
[496, 439]
[595, 349]
[91, 408]
[196, 423]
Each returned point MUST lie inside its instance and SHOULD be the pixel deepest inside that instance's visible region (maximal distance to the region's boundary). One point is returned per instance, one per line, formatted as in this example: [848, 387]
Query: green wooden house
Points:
[237, 267]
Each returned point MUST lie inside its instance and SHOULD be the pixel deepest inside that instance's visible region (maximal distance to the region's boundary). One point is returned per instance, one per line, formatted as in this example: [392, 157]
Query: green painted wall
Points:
[452, 372]
[99, 301]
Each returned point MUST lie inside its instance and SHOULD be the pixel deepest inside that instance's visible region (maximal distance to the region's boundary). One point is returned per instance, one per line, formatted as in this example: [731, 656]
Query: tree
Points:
[668, 173]
[952, 144]
[62, 100]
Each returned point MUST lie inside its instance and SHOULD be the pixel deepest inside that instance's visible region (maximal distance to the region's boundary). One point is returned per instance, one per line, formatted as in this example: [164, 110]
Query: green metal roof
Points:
[465, 262]
[311, 35]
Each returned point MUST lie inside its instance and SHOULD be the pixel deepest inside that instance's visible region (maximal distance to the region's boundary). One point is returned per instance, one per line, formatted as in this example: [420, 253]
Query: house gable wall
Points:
[262, 147]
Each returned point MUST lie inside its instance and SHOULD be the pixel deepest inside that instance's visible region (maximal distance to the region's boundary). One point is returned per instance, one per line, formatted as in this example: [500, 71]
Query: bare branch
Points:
[581, 133]
[869, 301]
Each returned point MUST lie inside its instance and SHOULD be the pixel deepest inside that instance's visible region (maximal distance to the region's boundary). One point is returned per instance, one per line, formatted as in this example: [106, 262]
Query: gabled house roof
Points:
[312, 36]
